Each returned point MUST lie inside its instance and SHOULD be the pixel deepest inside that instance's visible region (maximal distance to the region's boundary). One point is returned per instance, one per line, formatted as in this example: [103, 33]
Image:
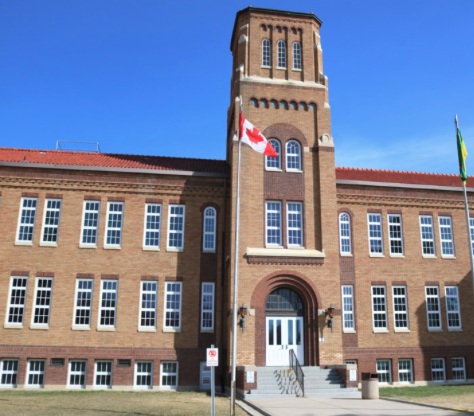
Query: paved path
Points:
[345, 407]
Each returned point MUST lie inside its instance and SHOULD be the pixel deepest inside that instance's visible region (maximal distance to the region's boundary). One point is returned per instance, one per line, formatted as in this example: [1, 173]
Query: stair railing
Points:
[296, 367]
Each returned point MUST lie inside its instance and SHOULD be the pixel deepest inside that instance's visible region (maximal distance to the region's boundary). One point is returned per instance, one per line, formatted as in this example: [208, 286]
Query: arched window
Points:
[345, 233]
[209, 231]
[284, 300]
[293, 156]
[296, 55]
[274, 162]
[265, 52]
[281, 54]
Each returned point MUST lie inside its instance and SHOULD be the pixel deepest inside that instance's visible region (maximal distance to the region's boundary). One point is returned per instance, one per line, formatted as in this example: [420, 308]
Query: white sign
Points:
[250, 376]
[212, 356]
[352, 375]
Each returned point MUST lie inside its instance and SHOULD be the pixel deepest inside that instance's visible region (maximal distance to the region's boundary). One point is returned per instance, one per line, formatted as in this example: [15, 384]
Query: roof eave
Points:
[402, 185]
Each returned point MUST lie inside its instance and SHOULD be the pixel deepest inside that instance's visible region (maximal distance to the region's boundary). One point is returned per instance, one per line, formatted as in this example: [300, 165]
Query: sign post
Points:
[212, 356]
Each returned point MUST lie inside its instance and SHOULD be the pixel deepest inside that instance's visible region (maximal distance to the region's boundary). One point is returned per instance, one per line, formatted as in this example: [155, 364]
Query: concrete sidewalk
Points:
[345, 407]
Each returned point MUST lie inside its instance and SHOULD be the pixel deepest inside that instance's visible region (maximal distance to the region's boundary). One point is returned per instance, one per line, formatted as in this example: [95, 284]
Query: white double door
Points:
[282, 335]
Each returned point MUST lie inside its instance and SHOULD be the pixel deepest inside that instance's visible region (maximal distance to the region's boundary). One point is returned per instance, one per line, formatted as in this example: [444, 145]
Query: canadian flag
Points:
[256, 140]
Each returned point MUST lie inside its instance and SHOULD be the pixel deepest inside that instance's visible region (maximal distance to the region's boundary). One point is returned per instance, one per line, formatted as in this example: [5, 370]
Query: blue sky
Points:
[152, 76]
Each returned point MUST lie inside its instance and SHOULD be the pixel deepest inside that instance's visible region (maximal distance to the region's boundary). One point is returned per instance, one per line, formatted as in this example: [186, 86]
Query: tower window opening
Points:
[296, 55]
[266, 53]
[281, 54]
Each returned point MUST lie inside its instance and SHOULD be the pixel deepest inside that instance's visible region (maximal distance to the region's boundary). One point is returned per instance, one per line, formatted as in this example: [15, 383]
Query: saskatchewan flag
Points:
[462, 154]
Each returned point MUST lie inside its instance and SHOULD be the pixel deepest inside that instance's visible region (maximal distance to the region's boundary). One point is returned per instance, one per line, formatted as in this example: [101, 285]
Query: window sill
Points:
[294, 171]
[448, 257]
[265, 67]
[105, 329]
[297, 70]
[296, 247]
[81, 328]
[23, 243]
[39, 327]
[112, 247]
[151, 249]
[146, 330]
[209, 251]
[171, 329]
[428, 256]
[12, 326]
[435, 330]
[272, 170]
[380, 331]
[42, 244]
[345, 254]
[283, 68]
[376, 255]
[174, 250]
[207, 331]
[455, 329]
[397, 256]
[401, 330]
[348, 331]
[87, 246]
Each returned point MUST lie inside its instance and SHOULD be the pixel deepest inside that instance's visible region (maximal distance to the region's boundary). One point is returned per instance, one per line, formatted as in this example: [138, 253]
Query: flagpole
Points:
[466, 205]
[233, 386]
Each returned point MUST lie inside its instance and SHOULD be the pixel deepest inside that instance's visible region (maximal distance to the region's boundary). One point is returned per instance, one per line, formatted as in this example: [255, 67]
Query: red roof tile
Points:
[394, 176]
[111, 160]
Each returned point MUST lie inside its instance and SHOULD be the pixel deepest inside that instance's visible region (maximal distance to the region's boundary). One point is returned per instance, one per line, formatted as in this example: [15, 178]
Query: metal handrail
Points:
[296, 367]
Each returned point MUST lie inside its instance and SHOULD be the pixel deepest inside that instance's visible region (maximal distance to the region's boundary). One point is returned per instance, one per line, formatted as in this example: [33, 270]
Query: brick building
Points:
[117, 270]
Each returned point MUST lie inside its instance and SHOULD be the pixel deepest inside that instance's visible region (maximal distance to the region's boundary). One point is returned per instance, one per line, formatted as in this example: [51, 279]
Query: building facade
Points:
[117, 270]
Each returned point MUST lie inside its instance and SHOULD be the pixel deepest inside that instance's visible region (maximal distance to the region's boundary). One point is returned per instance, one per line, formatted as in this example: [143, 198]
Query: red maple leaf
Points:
[254, 135]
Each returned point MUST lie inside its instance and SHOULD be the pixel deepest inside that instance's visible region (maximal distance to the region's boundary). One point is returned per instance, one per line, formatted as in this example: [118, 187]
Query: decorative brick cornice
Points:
[303, 261]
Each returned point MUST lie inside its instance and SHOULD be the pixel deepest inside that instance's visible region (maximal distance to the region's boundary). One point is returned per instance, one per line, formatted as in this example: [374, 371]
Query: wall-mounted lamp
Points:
[243, 314]
[330, 314]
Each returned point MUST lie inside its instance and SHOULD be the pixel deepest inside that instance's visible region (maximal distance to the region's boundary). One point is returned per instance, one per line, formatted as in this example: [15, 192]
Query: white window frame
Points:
[15, 305]
[297, 61]
[210, 214]
[172, 232]
[39, 306]
[293, 154]
[428, 312]
[76, 301]
[266, 53]
[156, 216]
[455, 368]
[374, 312]
[295, 212]
[268, 228]
[143, 310]
[427, 240]
[391, 239]
[343, 235]
[387, 370]
[137, 374]
[405, 370]
[446, 244]
[20, 224]
[404, 297]
[116, 229]
[441, 370]
[54, 227]
[77, 373]
[274, 160]
[85, 227]
[205, 294]
[171, 310]
[345, 289]
[454, 311]
[371, 216]
[104, 373]
[38, 373]
[107, 308]
[11, 373]
[281, 54]
[165, 374]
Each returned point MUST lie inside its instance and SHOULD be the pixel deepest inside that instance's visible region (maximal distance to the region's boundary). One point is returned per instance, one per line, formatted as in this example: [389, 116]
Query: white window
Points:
[452, 307]
[400, 307]
[427, 236]
[266, 53]
[296, 55]
[83, 309]
[113, 229]
[458, 365]
[143, 374]
[446, 236]
[90, 224]
[9, 373]
[103, 374]
[281, 54]
[384, 370]
[294, 224]
[437, 369]
[35, 373]
[209, 231]
[405, 371]
[345, 234]
[17, 300]
[173, 297]
[26, 222]
[176, 227]
[151, 237]
[471, 230]
[379, 308]
[395, 234]
[375, 234]
[274, 162]
[293, 156]
[148, 304]
[108, 303]
[77, 374]
[207, 307]
[348, 307]
[52, 214]
[273, 223]
[432, 307]
[169, 375]
[42, 304]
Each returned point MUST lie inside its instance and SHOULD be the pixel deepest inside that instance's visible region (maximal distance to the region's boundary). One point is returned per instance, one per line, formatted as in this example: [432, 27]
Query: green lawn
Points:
[108, 403]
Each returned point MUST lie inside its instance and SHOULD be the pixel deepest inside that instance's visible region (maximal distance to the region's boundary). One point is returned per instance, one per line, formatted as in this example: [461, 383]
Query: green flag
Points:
[462, 154]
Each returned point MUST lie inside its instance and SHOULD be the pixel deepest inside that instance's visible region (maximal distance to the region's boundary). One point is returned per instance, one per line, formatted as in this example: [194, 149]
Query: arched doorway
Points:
[284, 327]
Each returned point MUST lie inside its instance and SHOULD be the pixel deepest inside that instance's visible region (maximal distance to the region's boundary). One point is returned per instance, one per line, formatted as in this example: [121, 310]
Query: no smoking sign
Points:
[212, 357]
